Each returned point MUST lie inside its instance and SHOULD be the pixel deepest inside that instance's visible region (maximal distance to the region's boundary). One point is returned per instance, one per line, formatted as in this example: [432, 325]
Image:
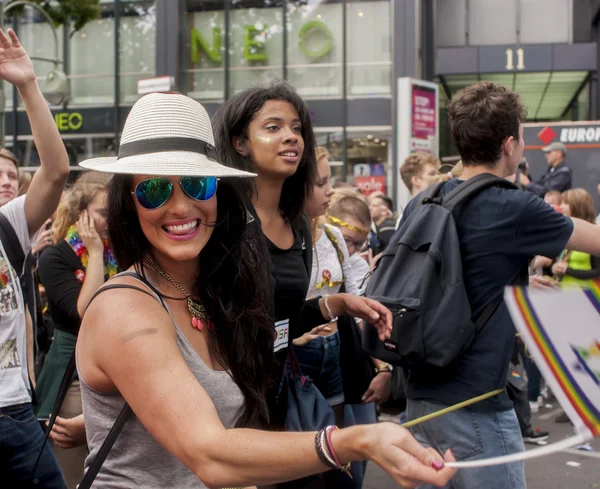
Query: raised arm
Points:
[138, 356]
[48, 182]
[585, 237]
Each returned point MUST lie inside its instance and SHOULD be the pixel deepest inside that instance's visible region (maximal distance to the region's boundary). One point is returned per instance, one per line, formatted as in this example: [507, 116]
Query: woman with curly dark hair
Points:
[268, 130]
[185, 336]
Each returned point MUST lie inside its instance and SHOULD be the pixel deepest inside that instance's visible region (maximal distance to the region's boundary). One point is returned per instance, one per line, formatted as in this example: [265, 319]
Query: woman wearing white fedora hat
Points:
[185, 337]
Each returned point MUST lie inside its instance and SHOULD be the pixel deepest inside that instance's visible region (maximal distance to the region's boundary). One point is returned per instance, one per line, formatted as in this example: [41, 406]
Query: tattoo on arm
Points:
[144, 332]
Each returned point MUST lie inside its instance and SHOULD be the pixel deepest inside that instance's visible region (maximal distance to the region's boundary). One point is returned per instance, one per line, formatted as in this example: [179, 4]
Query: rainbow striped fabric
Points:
[562, 331]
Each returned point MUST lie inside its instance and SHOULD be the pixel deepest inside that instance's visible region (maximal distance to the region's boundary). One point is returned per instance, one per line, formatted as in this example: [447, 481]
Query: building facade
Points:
[343, 56]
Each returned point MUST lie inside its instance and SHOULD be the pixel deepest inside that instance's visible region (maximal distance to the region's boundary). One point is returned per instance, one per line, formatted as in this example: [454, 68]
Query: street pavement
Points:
[550, 472]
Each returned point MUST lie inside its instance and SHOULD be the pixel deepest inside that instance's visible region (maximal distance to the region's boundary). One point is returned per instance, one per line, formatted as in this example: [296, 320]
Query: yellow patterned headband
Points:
[344, 224]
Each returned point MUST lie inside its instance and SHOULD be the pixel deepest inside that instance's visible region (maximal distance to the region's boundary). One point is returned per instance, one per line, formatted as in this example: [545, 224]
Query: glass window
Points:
[369, 159]
[137, 46]
[78, 149]
[38, 39]
[492, 22]
[369, 48]
[315, 48]
[369, 154]
[255, 43]
[206, 50]
[450, 23]
[331, 139]
[546, 21]
[92, 61]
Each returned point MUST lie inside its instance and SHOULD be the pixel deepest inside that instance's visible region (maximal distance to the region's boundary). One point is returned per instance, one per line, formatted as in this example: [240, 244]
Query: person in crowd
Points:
[553, 198]
[499, 230]
[185, 337]
[9, 176]
[269, 131]
[384, 221]
[417, 170]
[21, 435]
[557, 177]
[350, 213]
[71, 271]
[320, 354]
[351, 216]
[575, 268]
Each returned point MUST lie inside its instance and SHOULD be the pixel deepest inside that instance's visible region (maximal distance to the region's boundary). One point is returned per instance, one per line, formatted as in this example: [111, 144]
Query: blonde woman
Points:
[72, 270]
[575, 268]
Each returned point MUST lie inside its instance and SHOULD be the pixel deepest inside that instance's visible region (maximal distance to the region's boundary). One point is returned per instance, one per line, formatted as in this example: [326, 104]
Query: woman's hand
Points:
[68, 432]
[560, 268]
[409, 463]
[379, 388]
[15, 65]
[313, 334]
[369, 310]
[88, 234]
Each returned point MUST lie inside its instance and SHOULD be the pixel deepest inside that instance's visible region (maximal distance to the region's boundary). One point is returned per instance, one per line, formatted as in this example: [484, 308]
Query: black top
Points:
[499, 230]
[294, 315]
[58, 269]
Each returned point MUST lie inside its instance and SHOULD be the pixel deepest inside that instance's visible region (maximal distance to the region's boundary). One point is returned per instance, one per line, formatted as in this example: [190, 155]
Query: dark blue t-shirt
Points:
[499, 231]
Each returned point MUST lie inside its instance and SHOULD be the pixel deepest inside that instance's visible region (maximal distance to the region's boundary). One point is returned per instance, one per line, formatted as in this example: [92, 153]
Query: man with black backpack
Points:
[21, 436]
[459, 244]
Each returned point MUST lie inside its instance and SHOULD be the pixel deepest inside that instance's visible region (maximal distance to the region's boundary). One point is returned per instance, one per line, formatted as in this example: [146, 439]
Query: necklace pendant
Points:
[197, 324]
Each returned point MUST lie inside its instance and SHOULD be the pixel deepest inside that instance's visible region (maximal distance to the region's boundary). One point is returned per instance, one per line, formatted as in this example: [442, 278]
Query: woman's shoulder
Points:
[125, 300]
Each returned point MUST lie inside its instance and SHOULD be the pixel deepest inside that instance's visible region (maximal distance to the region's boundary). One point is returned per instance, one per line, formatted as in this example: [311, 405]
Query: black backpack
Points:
[419, 278]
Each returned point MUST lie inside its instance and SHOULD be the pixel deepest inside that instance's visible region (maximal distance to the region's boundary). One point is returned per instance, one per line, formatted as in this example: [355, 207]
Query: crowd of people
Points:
[196, 277]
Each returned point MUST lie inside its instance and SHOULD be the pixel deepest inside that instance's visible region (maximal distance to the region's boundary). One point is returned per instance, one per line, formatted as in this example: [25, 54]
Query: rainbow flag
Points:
[562, 330]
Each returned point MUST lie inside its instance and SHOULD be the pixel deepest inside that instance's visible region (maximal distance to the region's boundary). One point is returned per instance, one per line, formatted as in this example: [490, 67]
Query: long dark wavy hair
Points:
[233, 285]
[232, 120]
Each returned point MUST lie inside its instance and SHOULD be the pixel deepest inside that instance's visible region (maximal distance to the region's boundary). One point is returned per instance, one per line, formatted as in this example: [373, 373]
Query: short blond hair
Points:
[414, 165]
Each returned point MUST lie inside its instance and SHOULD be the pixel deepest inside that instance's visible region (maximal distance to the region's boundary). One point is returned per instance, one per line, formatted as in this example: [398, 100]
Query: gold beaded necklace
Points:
[197, 310]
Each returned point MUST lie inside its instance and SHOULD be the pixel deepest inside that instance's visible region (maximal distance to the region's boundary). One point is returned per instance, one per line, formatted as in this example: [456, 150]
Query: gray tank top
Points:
[136, 459]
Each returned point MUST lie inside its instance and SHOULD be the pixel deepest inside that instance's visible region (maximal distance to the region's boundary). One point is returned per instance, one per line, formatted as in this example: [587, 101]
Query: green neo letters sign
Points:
[254, 48]
[68, 121]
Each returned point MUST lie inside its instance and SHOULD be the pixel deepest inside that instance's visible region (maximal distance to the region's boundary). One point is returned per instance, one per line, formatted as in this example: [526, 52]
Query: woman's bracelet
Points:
[326, 453]
[321, 452]
[332, 318]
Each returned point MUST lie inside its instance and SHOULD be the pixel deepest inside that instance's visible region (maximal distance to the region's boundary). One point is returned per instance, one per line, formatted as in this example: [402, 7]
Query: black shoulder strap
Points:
[92, 472]
[62, 393]
[307, 249]
[12, 245]
[429, 193]
[473, 186]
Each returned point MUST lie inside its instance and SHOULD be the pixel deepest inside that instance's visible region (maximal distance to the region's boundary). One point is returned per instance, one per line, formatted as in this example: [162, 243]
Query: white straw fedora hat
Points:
[166, 134]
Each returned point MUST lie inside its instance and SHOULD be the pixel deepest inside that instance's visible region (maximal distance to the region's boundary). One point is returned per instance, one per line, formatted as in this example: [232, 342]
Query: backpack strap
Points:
[12, 245]
[90, 475]
[429, 194]
[473, 186]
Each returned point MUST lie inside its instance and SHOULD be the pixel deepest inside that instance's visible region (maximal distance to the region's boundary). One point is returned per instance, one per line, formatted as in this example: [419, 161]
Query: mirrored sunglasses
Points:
[154, 192]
